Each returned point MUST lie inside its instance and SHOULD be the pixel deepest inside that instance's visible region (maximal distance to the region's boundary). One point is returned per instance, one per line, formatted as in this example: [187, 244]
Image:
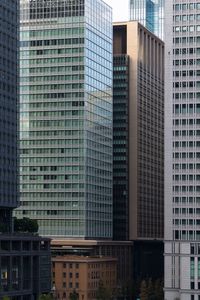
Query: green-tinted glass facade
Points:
[66, 117]
[150, 13]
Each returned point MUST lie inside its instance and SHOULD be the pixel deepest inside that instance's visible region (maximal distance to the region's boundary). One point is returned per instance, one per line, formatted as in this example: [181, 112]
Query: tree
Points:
[143, 290]
[6, 298]
[103, 293]
[153, 290]
[150, 289]
[25, 225]
[45, 297]
[135, 289]
[124, 290]
[74, 296]
[159, 289]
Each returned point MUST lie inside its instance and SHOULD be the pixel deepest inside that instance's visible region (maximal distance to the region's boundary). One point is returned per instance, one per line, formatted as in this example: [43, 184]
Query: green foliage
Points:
[159, 284]
[103, 293]
[144, 290]
[151, 290]
[135, 290]
[125, 290]
[74, 296]
[6, 298]
[45, 297]
[25, 225]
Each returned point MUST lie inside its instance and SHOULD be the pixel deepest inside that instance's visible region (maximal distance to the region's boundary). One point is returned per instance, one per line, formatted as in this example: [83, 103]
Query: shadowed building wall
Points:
[138, 158]
[138, 139]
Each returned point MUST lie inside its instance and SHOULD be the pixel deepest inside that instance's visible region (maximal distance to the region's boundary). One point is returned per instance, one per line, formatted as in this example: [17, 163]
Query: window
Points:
[191, 28]
[177, 7]
[184, 6]
[191, 6]
[184, 18]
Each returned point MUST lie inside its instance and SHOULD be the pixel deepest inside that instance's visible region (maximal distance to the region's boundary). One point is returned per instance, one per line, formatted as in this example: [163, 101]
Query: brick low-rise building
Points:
[83, 275]
[122, 251]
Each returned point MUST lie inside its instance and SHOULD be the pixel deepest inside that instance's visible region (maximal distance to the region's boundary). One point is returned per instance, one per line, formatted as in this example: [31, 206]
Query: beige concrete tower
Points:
[146, 127]
[138, 139]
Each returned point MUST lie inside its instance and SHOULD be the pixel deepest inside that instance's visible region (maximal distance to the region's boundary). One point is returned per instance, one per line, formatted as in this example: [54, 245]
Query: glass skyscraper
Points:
[150, 13]
[66, 117]
[8, 111]
[24, 259]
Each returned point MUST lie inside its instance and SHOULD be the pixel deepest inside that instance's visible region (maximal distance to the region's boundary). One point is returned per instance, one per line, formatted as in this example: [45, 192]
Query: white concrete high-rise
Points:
[182, 150]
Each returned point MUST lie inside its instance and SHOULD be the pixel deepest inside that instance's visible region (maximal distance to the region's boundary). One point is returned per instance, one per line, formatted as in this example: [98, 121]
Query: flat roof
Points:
[22, 237]
[76, 242]
[78, 258]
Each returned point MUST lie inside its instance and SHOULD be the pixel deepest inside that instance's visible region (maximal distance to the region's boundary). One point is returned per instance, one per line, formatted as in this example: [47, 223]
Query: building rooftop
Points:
[79, 242]
[77, 258]
[22, 236]
[125, 23]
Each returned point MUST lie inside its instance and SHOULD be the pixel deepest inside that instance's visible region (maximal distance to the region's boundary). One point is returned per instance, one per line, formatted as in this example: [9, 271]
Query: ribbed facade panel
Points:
[182, 150]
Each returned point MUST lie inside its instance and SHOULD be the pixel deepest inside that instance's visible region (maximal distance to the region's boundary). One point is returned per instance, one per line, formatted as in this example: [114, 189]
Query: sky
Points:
[120, 9]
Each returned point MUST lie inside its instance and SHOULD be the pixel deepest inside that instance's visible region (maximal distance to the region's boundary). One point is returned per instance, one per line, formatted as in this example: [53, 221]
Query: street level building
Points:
[150, 13]
[182, 150]
[138, 139]
[66, 117]
[83, 275]
[122, 251]
[25, 266]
